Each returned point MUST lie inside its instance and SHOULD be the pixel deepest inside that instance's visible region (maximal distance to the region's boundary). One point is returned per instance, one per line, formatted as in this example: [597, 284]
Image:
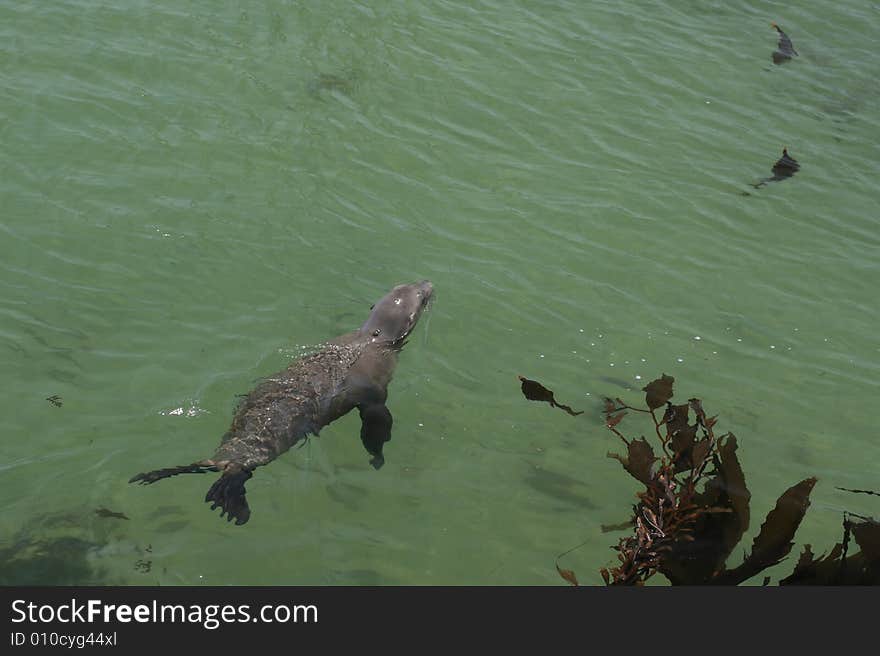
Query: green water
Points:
[192, 193]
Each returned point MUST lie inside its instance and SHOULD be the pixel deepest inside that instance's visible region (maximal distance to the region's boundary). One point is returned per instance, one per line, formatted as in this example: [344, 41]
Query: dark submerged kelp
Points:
[839, 567]
[106, 513]
[345, 83]
[695, 506]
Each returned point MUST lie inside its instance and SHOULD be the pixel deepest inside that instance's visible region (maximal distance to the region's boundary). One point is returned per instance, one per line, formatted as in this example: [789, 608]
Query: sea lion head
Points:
[394, 316]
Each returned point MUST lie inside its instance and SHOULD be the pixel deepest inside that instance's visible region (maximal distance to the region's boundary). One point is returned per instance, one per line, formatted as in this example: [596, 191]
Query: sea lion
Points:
[351, 371]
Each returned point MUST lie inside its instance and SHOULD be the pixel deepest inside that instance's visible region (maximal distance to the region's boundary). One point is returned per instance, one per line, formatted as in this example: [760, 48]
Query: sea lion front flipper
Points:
[228, 494]
[376, 421]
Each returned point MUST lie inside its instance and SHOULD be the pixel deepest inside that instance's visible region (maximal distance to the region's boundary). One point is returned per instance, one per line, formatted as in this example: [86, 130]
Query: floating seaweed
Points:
[535, 391]
[838, 568]
[784, 48]
[55, 400]
[694, 508]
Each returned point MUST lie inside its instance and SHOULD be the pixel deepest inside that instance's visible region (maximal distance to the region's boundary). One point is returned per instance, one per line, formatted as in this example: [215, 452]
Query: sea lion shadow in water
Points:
[351, 371]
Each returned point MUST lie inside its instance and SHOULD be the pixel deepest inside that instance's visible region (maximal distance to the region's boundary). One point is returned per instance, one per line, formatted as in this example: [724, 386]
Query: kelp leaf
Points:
[815, 571]
[701, 450]
[721, 532]
[567, 574]
[697, 407]
[680, 434]
[774, 542]
[733, 484]
[613, 420]
[867, 535]
[806, 559]
[658, 391]
[535, 391]
[676, 420]
[640, 457]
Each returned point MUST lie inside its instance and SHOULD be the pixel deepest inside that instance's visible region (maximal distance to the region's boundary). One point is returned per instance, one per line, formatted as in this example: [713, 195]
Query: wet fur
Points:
[352, 371]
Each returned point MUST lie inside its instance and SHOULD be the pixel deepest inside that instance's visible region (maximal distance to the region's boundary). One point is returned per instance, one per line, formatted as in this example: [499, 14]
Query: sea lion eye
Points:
[397, 301]
[377, 332]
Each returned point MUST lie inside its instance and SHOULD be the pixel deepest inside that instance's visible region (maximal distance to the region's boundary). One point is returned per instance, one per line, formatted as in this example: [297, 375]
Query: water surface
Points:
[192, 194]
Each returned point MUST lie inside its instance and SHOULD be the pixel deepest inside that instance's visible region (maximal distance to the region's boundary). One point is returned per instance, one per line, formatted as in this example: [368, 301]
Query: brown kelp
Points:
[694, 508]
[535, 391]
[838, 567]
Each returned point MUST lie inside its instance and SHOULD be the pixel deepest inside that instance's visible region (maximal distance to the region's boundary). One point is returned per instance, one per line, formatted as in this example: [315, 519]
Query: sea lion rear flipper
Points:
[228, 494]
[376, 421]
[158, 474]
